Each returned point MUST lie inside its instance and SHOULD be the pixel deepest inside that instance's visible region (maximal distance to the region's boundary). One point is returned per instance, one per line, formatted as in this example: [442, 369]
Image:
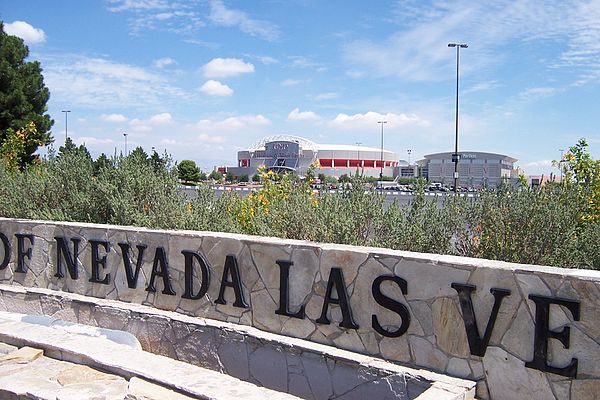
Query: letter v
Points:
[477, 344]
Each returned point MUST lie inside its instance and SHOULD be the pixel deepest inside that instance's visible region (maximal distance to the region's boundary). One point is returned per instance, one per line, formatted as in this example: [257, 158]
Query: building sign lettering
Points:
[197, 279]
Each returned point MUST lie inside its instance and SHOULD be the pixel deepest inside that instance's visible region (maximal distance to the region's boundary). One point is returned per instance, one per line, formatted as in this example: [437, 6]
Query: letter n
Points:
[63, 252]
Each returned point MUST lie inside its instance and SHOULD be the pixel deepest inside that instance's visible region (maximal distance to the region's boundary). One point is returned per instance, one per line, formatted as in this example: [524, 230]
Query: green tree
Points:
[23, 96]
[256, 178]
[582, 171]
[215, 175]
[139, 155]
[229, 177]
[101, 163]
[188, 171]
[244, 178]
[158, 163]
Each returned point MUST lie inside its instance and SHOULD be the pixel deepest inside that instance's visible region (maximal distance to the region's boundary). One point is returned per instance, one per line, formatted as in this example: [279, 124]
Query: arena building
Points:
[295, 154]
[475, 169]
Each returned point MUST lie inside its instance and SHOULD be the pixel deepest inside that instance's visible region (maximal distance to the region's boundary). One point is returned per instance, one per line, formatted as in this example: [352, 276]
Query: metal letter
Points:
[477, 344]
[6, 245]
[160, 258]
[231, 268]
[189, 275]
[543, 333]
[284, 286]
[98, 261]
[21, 252]
[131, 276]
[391, 305]
[336, 278]
[62, 248]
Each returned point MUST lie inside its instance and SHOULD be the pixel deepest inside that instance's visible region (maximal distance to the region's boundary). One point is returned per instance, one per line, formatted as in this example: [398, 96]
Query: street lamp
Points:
[66, 123]
[560, 163]
[125, 134]
[455, 155]
[358, 153]
[381, 166]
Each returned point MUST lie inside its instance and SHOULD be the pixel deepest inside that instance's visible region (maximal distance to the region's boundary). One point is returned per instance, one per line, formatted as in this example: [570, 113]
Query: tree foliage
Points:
[548, 225]
[23, 97]
[188, 171]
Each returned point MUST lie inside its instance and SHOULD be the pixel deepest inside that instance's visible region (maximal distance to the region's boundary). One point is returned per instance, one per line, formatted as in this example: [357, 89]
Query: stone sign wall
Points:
[520, 331]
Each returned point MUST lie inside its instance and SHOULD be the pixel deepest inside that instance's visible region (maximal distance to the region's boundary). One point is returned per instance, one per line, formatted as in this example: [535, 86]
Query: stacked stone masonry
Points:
[520, 331]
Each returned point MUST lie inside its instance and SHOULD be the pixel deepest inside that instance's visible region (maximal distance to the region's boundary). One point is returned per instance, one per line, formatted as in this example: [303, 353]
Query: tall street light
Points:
[455, 155]
[358, 153]
[125, 134]
[381, 166]
[66, 123]
[560, 163]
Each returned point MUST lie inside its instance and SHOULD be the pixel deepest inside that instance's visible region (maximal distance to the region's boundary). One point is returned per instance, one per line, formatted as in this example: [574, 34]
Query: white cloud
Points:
[216, 88]
[102, 83]
[370, 119]
[146, 125]
[297, 115]
[293, 82]
[225, 67]
[170, 142]
[163, 62]
[326, 96]
[537, 92]
[211, 138]
[267, 60]
[93, 141]
[113, 118]
[539, 164]
[163, 118]
[230, 124]
[223, 16]
[177, 17]
[418, 50]
[25, 31]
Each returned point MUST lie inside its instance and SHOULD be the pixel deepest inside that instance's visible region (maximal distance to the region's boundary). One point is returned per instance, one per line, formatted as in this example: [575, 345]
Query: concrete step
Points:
[80, 366]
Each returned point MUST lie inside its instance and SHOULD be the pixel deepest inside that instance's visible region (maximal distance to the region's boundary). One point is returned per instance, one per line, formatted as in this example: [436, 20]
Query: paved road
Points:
[390, 196]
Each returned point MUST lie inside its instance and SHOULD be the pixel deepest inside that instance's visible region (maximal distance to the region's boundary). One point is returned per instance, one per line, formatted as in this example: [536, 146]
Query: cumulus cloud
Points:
[163, 62]
[370, 119]
[146, 125]
[216, 88]
[163, 118]
[25, 31]
[225, 67]
[113, 118]
[297, 115]
[211, 138]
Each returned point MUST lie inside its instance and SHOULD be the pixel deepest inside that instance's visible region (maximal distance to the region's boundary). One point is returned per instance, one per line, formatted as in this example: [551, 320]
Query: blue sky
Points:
[203, 79]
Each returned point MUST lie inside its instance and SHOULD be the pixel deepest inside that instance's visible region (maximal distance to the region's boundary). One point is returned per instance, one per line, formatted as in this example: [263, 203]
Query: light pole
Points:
[455, 155]
[66, 123]
[125, 134]
[560, 163]
[381, 166]
[358, 153]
